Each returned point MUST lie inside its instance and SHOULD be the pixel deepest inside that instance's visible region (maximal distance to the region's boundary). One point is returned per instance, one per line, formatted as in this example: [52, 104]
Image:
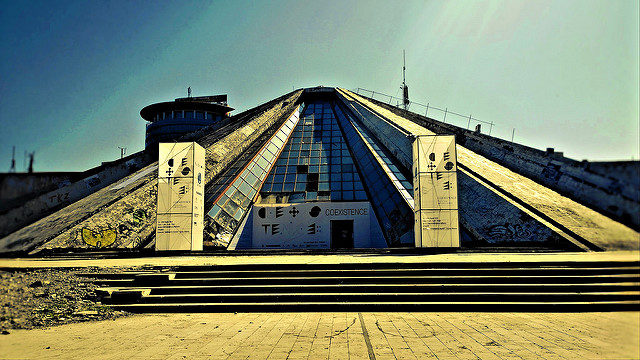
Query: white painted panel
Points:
[435, 153]
[174, 232]
[437, 190]
[180, 197]
[307, 225]
[175, 195]
[437, 228]
[176, 159]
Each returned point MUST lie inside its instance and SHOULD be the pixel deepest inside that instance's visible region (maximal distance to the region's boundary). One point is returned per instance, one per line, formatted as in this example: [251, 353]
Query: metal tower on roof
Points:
[405, 88]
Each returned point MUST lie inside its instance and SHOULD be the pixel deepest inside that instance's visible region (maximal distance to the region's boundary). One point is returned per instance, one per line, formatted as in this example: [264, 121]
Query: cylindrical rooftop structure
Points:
[170, 120]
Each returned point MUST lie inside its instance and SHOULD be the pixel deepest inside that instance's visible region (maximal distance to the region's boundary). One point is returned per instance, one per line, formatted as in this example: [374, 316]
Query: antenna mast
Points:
[405, 88]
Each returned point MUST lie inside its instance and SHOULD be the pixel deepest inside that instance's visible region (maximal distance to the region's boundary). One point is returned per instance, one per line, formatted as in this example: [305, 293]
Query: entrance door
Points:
[342, 234]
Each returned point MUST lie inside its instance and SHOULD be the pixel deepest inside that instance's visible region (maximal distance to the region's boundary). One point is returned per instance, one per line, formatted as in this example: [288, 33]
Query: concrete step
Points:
[533, 306]
[395, 288]
[442, 279]
[378, 287]
[386, 297]
[407, 272]
[338, 280]
[407, 265]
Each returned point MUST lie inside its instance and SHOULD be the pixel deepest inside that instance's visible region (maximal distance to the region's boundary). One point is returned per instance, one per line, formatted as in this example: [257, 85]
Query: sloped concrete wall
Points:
[570, 219]
[610, 188]
[42, 205]
[128, 207]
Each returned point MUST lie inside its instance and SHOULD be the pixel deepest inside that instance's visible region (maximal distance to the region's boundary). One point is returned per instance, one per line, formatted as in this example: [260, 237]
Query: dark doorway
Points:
[342, 234]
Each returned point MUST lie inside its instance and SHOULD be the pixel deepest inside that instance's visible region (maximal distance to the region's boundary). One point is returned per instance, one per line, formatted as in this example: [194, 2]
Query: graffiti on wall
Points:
[508, 232]
[99, 238]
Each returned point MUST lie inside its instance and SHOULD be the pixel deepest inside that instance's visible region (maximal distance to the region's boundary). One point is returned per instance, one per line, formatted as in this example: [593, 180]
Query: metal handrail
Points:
[427, 107]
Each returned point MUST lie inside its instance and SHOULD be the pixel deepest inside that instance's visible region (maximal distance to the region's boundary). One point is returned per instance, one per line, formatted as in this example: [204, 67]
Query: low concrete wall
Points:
[16, 188]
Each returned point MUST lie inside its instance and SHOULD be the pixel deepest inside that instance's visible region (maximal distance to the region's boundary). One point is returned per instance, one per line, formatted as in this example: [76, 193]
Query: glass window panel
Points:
[252, 193]
[347, 186]
[278, 179]
[230, 207]
[277, 187]
[300, 187]
[272, 148]
[323, 186]
[324, 177]
[347, 195]
[347, 176]
[239, 214]
[214, 211]
[288, 187]
[314, 168]
[301, 178]
[244, 187]
[336, 195]
[360, 195]
[291, 177]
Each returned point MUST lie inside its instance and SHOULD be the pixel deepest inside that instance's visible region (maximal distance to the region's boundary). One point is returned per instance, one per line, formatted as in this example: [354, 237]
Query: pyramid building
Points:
[327, 168]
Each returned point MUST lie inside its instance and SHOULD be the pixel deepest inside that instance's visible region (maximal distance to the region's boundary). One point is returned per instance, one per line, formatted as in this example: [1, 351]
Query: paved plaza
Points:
[336, 336]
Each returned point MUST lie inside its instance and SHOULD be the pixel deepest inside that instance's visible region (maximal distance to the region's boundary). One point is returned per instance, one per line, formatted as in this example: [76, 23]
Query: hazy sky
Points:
[74, 75]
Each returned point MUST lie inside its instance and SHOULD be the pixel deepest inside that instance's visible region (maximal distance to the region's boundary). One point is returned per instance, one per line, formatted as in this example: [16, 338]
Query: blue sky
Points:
[74, 75]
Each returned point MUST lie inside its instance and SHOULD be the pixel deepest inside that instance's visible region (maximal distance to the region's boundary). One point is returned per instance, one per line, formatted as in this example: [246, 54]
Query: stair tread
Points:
[634, 268]
[383, 303]
[437, 285]
[338, 276]
[637, 293]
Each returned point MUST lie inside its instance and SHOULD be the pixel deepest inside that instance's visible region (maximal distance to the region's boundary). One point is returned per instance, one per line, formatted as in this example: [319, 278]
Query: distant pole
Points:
[123, 151]
[189, 92]
[31, 156]
[513, 132]
[445, 115]
[490, 127]
[469, 122]
[425, 113]
[12, 169]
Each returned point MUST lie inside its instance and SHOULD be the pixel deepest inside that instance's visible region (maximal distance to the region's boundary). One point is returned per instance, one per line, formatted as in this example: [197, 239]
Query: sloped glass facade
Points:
[390, 192]
[316, 164]
[232, 193]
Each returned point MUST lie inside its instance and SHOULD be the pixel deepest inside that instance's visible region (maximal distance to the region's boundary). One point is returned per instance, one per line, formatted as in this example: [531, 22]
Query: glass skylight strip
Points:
[233, 203]
[397, 178]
